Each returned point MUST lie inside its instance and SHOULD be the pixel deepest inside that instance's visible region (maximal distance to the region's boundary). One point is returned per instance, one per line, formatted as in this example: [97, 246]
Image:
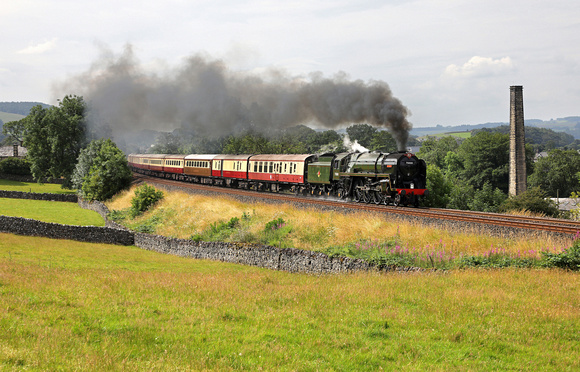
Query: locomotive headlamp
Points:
[412, 185]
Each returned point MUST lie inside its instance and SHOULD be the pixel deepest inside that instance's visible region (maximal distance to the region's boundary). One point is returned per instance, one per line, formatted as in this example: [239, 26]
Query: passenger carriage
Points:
[230, 170]
[173, 166]
[198, 168]
[275, 171]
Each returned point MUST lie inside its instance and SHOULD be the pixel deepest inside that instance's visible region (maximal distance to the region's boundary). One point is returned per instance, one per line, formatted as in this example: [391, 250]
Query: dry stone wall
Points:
[90, 234]
[291, 260]
[71, 198]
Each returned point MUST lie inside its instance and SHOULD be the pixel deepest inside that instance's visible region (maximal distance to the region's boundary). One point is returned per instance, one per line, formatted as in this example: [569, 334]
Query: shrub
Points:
[218, 231]
[16, 166]
[533, 200]
[275, 233]
[145, 197]
[568, 259]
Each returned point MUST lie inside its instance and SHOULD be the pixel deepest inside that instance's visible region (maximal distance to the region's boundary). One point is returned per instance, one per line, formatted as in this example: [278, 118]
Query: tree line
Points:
[299, 139]
[473, 174]
[60, 147]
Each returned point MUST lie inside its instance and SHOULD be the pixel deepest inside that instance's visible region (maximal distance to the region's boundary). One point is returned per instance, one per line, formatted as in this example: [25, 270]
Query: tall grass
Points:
[183, 215]
[79, 306]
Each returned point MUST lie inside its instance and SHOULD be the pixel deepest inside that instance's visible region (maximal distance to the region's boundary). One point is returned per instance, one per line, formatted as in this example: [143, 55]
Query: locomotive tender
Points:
[370, 177]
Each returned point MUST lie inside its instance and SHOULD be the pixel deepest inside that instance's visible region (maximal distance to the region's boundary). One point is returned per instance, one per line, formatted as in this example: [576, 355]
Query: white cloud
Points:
[39, 48]
[480, 66]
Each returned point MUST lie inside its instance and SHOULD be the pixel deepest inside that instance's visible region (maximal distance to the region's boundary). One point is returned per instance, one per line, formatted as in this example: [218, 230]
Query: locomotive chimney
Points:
[517, 142]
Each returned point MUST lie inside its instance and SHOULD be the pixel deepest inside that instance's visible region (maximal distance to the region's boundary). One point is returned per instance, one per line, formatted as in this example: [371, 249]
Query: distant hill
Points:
[7, 116]
[569, 125]
[20, 108]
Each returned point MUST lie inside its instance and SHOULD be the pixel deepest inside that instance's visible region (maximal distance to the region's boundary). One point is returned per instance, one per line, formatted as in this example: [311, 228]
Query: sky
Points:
[449, 62]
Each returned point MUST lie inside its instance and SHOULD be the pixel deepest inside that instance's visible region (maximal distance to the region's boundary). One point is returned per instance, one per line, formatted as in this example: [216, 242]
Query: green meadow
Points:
[67, 305]
[34, 187]
[77, 306]
[49, 211]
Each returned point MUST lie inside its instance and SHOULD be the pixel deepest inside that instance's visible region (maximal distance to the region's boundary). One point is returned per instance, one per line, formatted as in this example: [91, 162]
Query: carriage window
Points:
[260, 167]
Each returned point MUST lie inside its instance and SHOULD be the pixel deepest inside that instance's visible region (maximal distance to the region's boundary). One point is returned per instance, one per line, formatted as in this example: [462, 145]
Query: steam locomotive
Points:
[397, 178]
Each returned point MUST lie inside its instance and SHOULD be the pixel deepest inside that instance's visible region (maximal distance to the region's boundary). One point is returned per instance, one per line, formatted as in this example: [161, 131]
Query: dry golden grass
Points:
[183, 215]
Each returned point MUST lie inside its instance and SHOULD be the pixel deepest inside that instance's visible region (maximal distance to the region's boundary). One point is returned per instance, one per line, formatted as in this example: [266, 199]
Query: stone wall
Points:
[71, 198]
[91, 234]
[16, 177]
[291, 260]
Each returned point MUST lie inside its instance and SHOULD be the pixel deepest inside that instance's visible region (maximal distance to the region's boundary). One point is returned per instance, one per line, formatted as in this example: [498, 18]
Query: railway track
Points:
[538, 224]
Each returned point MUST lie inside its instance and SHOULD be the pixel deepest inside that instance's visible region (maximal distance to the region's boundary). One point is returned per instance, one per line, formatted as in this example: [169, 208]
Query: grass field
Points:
[70, 305]
[48, 211]
[35, 187]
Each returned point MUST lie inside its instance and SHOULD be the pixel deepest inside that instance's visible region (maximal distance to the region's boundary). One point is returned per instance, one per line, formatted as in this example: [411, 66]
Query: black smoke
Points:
[203, 95]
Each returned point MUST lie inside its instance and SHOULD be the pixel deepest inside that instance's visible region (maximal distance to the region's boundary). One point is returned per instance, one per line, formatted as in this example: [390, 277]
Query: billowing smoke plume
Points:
[207, 97]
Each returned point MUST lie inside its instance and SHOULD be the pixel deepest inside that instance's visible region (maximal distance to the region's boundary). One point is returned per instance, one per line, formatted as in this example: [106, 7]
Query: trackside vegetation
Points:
[384, 242]
[72, 306]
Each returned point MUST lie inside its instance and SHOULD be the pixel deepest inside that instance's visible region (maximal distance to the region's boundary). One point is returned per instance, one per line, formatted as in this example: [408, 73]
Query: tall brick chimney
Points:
[517, 142]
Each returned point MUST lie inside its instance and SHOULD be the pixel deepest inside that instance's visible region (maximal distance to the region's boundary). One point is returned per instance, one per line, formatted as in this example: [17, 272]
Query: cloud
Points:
[480, 66]
[39, 48]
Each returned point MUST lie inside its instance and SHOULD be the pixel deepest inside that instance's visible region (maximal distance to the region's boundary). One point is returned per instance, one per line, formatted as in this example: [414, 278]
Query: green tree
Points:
[556, 173]
[15, 130]
[533, 200]
[434, 150]
[461, 194]
[102, 171]
[439, 188]
[54, 138]
[485, 158]
[166, 143]
[383, 141]
[487, 199]
[363, 133]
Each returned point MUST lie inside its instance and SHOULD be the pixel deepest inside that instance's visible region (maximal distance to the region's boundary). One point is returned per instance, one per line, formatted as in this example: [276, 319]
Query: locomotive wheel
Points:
[357, 195]
[397, 200]
[341, 193]
[367, 196]
[327, 190]
[377, 197]
[416, 202]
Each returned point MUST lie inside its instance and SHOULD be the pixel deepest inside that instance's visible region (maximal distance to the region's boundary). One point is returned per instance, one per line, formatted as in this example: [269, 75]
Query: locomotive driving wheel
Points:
[397, 200]
[367, 197]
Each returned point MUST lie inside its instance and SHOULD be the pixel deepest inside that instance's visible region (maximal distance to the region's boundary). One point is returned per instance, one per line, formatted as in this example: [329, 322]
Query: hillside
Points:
[20, 108]
[6, 117]
[569, 125]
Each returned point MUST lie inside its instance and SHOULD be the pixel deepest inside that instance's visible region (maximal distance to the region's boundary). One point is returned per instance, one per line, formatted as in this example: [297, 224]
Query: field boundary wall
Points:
[19, 178]
[287, 259]
[71, 198]
[88, 234]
